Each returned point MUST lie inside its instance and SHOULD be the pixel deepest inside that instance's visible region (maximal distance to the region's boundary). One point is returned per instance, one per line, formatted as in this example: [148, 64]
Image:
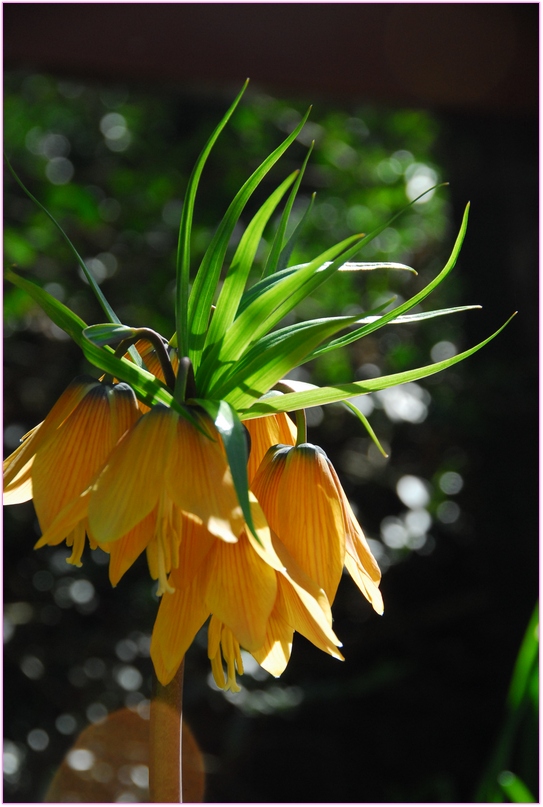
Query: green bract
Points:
[229, 330]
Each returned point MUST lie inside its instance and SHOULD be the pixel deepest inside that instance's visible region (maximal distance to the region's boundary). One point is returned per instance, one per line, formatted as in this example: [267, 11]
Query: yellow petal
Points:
[241, 591]
[299, 610]
[267, 432]
[133, 479]
[199, 481]
[20, 488]
[274, 654]
[179, 618]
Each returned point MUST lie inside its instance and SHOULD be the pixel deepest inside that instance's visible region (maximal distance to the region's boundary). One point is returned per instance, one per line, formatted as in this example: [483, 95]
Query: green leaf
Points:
[286, 252]
[340, 392]
[234, 438]
[363, 419]
[515, 789]
[275, 355]
[205, 283]
[413, 301]
[277, 246]
[92, 282]
[106, 334]
[185, 227]
[236, 278]
[267, 309]
[60, 314]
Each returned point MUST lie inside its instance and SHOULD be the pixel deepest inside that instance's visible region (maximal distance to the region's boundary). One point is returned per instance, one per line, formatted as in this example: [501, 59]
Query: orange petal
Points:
[66, 521]
[67, 463]
[301, 613]
[179, 618]
[274, 654]
[199, 481]
[124, 552]
[301, 503]
[241, 591]
[133, 479]
[266, 432]
[196, 543]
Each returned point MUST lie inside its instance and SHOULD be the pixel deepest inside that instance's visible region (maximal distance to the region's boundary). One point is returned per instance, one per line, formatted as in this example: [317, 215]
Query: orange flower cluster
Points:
[133, 479]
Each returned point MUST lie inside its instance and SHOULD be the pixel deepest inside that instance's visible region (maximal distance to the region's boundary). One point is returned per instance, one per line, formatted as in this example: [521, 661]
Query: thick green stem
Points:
[165, 750]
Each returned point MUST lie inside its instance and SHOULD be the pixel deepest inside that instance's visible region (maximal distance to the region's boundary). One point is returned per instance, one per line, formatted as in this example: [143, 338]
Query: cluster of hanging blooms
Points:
[184, 449]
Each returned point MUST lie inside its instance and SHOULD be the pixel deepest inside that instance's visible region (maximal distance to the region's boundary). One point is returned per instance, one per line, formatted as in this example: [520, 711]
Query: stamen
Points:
[76, 539]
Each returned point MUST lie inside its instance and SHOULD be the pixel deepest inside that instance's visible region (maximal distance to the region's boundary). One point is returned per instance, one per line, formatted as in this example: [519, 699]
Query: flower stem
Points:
[301, 427]
[165, 751]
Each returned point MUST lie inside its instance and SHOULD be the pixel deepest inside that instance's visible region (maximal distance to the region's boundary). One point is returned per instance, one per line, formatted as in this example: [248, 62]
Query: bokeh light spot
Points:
[80, 759]
[413, 491]
[37, 739]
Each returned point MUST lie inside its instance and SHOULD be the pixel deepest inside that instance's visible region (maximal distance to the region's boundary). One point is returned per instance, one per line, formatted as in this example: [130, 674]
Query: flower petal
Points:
[301, 503]
[300, 612]
[267, 432]
[133, 478]
[241, 591]
[66, 521]
[66, 464]
[179, 618]
[274, 654]
[199, 481]
[124, 552]
[20, 487]
[68, 401]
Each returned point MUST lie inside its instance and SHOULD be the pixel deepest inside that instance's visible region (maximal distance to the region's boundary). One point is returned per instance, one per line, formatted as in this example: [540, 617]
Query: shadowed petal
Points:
[126, 550]
[130, 484]
[180, 617]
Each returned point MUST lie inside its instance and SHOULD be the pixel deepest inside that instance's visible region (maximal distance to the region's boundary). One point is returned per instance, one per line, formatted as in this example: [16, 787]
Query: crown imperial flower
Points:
[307, 508]
[60, 458]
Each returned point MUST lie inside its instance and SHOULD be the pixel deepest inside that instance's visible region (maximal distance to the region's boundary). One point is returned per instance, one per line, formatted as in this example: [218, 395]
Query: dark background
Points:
[414, 712]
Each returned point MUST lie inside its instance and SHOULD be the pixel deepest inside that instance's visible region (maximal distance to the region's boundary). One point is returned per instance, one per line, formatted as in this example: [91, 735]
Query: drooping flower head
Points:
[307, 508]
[165, 466]
[257, 597]
[59, 459]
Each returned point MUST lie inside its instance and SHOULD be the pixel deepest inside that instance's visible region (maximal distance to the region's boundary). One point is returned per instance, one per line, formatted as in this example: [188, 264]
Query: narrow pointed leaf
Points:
[286, 252]
[185, 227]
[290, 402]
[363, 419]
[413, 301]
[92, 282]
[207, 278]
[268, 308]
[277, 246]
[234, 439]
[275, 355]
[236, 277]
[61, 315]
